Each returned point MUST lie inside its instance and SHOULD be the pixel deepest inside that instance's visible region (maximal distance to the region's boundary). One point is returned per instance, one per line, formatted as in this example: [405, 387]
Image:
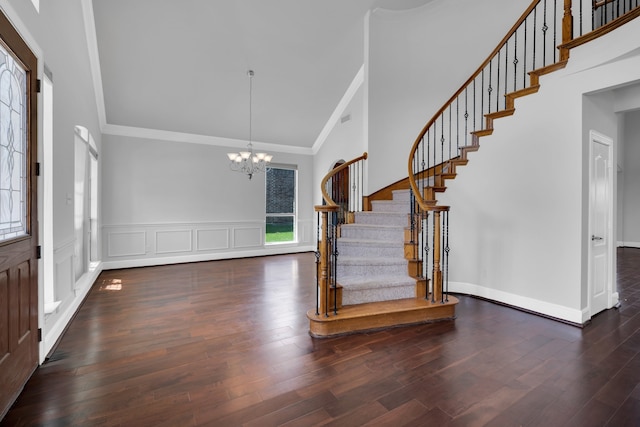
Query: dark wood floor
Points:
[226, 343]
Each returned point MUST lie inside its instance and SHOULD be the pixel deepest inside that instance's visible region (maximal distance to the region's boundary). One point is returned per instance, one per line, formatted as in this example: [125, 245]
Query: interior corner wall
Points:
[519, 209]
[167, 202]
[631, 181]
[417, 59]
[620, 180]
[344, 142]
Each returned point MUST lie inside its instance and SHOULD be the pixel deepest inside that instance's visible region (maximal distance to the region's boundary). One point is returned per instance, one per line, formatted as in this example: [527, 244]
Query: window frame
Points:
[294, 214]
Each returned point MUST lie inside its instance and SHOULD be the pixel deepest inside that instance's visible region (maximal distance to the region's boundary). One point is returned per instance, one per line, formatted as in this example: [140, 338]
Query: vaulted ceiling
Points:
[181, 65]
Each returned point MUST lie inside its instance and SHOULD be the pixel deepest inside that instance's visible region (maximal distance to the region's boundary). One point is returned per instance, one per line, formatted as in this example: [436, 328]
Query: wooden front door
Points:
[18, 216]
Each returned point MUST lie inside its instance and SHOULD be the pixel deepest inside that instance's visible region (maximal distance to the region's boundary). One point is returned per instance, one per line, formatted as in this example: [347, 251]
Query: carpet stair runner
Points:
[371, 264]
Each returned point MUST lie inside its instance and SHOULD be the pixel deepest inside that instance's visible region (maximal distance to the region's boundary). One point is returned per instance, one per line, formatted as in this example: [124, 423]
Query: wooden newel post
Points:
[437, 271]
[567, 29]
[324, 281]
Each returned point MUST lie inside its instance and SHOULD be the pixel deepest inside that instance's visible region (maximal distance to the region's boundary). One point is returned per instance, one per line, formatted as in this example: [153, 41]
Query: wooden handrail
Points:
[323, 184]
[412, 181]
[601, 31]
[597, 4]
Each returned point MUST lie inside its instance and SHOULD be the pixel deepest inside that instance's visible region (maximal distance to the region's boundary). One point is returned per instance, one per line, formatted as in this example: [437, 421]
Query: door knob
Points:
[593, 237]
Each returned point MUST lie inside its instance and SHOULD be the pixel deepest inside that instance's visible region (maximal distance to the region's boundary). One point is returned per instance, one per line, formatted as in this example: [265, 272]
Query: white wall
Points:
[57, 36]
[416, 60]
[344, 142]
[631, 175]
[166, 201]
[519, 208]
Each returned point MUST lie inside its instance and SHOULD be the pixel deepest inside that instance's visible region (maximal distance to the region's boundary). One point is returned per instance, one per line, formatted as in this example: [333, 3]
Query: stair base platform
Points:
[380, 315]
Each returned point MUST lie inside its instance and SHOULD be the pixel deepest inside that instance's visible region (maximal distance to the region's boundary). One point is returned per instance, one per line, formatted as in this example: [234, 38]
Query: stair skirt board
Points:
[380, 315]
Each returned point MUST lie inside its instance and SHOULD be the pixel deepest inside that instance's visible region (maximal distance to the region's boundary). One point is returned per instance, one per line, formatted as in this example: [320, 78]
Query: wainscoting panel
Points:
[249, 237]
[63, 270]
[120, 244]
[138, 245]
[212, 239]
[174, 241]
[306, 232]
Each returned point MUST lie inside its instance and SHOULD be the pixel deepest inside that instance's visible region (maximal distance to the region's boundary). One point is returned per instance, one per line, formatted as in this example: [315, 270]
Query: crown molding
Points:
[164, 135]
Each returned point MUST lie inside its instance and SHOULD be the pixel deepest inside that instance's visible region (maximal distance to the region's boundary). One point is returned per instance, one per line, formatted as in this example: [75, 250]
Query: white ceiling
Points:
[181, 65]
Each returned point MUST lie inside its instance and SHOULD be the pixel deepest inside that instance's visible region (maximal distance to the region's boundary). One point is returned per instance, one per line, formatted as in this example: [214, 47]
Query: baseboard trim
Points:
[149, 262]
[52, 337]
[553, 311]
[629, 244]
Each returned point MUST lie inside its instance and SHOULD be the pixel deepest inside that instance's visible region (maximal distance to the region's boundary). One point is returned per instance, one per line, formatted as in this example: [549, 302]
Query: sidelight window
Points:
[13, 147]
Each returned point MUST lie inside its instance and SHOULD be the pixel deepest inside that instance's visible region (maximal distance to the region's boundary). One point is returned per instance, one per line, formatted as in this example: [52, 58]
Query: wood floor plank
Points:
[226, 343]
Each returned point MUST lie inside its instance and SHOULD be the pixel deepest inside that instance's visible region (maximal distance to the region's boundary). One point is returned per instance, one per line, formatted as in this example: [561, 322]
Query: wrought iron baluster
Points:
[425, 248]
[334, 279]
[535, 35]
[515, 60]
[441, 141]
[450, 121]
[544, 36]
[524, 54]
[412, 213]
[506, 69]
[458, 124]
[466, 118]
[498, 84]
[580, 12]
[490, 88]
[474, 104]
[434, 149]
[420, 162]
[482, 90]
[555, 31]
[433, 263]
[329, 262]
[446, 255]
[318, 263]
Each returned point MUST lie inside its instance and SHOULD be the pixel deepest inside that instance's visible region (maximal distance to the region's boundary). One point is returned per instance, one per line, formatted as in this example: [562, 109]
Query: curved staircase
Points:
[388, 266]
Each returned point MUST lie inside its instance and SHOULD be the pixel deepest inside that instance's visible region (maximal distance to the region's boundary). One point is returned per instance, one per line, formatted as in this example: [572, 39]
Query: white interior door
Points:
[600, 225]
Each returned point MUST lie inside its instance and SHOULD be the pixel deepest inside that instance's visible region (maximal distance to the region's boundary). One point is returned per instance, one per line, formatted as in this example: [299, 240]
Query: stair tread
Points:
[350, 240]
[388, 202]
[501, 113]
[355, 260]
[373, 213]
[357, 224]
[357, 282]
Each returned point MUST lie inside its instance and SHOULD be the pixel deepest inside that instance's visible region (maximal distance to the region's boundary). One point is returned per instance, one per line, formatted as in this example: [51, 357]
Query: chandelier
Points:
[249, 162]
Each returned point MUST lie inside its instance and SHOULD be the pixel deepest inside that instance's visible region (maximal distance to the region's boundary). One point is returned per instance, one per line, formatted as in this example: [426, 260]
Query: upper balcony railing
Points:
[539, 40]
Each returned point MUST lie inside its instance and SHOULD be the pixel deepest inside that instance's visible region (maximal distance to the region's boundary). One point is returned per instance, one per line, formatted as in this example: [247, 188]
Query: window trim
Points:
[284, 214]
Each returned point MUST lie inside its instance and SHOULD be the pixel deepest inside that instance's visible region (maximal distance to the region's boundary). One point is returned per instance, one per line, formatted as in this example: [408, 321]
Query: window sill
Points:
[51, 307]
